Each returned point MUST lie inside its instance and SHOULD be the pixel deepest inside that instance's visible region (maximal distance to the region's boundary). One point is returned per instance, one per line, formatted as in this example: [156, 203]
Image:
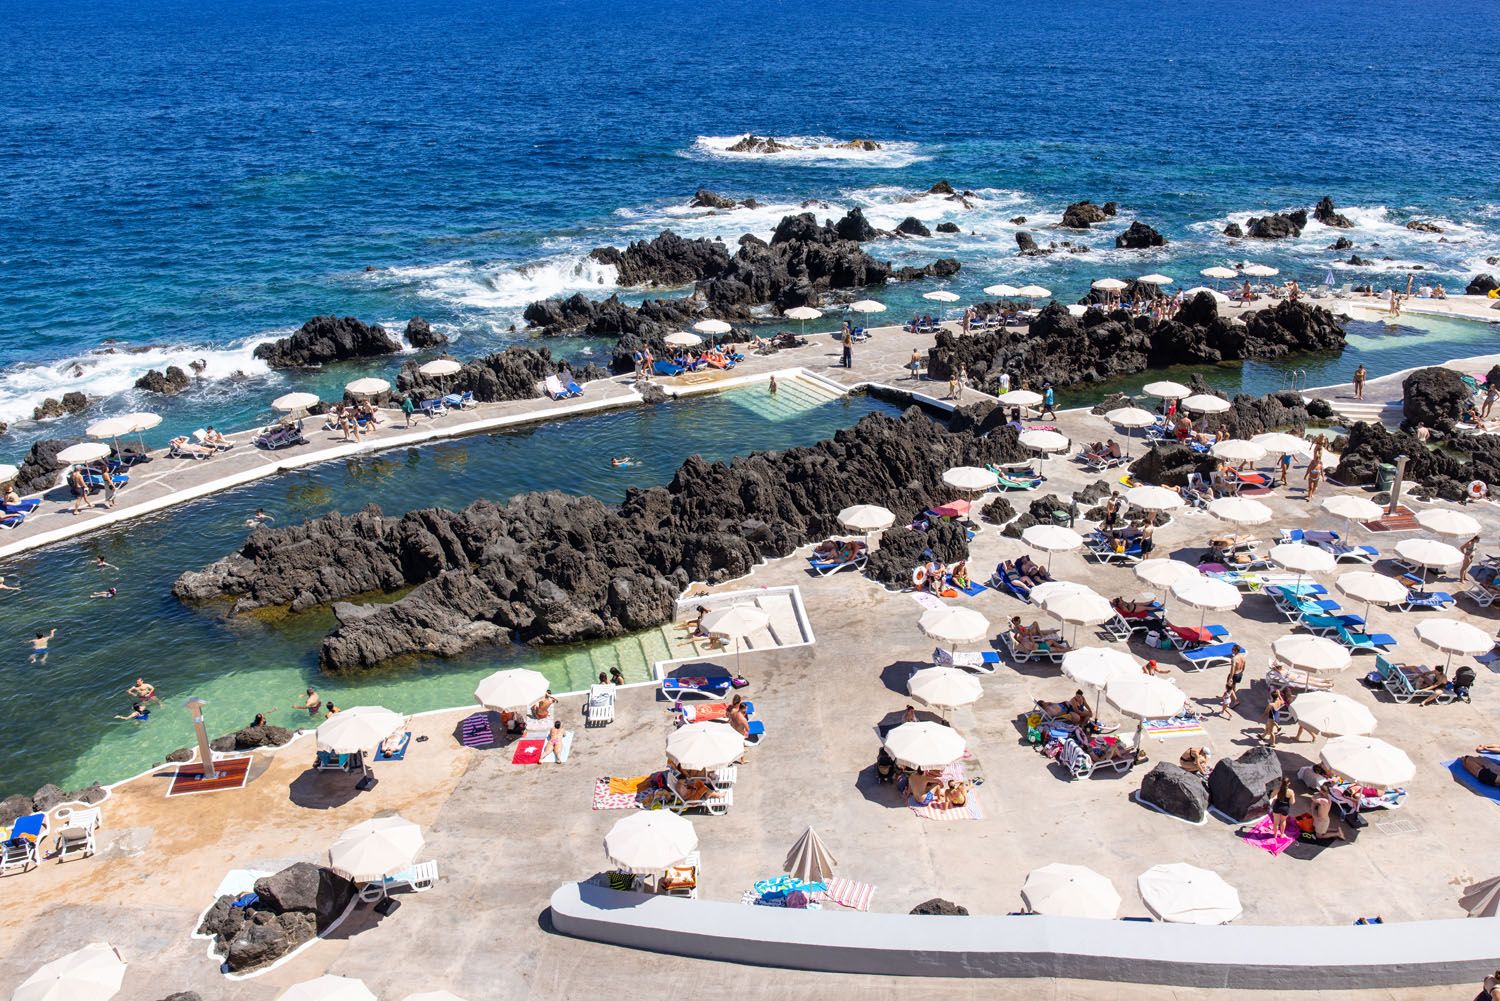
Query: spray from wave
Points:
[812, 151]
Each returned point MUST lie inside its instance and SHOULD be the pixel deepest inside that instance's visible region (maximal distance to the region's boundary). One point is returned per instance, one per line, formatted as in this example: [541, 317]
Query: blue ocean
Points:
[181, 181]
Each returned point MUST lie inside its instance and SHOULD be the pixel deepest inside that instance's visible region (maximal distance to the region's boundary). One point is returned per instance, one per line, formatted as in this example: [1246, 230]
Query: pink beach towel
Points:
[850, 894]
[1258, 835]
[606, 800]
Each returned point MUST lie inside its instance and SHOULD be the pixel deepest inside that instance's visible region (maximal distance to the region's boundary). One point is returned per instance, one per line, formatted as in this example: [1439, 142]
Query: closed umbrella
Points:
[1207, 594]
[1238, 450]
[706, 745]
[682, 339]
[712, 327]
[440, 367]
[1316, 654]
[357, 729]
[329, 988]
[1454, 637]
[1051, 539]
[650, 840]
[369, 386]
[1033, 292]
[1002, 291]
[955, 625]
[737, 622]
[1019, 398]
[1149, 498]
[1070, 891]
[1482, 899]
[1203, 403]
[1368, 761]
[944, 687]
[292, 402]
[1281, 443]
[92, 973]
[1185, 894]
[1166, 390]
[1239, 510]
[513, 688]
[1155, 279]
[925, 745]
[1425, 553]
[84, 451]
[810, 860]
[1329, 714]
[941, 295]
[376, 848]
[1109, 285]
[1446, 522]
[970, 479]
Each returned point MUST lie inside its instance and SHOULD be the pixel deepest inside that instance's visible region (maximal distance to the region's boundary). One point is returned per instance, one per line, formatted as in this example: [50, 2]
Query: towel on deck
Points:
[850, 894]
[528, 752]
[630, 786]
[399, 753]
[606, 799]
[974, 586]
[1259, 835]
[552, 758]
[1474, 785]
[704, 712]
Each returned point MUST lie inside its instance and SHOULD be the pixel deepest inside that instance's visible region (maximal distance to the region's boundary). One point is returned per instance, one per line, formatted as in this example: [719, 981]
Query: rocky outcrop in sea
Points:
[557, 568]
[325, 339]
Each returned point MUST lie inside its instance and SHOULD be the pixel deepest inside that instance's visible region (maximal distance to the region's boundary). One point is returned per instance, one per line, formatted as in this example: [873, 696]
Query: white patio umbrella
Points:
[1260, 270]
[111, 428]
[1317, 654]
[1281, 443]
[944, 687]
[1214, 294]
[1076, 309]
[1070, 891]
[1155, 279]
[970, 479]
[1109, 285]
[867, 306]
[650, 840]
[925, 745]
[1150, 498]
[712, 327]
[433, 996]
[1019, 398]
[682, 339]
[1370, 587]
[1166, 390]
[142, 420]
[705, 745]
[810, 860]
[329, 988]
[1033, 292]
[1096, 666]
[1185, 894]
[866, 518]
[1207, 594]
[1238, 450]
[1048, 588]
[1239, 510]
[512, 688]
[737, 622]
[1144, 697]
[376, 848]
[1162, 573]
[356, 729]
[1078, 609]
[941, 295]
[92, 973]
[1051, 539]
[1329, 714]
[1445, 522]
[1429, 554]
[1218, 273]
[84, 451]
[1043, 442]
[1454, 637]
[1002, 290]
[292, 402]
[952, 624]
[1352, 509]
[8, 473]
[369, 386]
[802, 314]
[1203, 403]
[439, 367]
[1302, 559]
[1130, 418]
[1368, 760]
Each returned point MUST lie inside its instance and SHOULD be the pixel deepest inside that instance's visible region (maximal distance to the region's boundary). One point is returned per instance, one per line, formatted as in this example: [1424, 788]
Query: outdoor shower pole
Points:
[1396, 484]
[195, 706]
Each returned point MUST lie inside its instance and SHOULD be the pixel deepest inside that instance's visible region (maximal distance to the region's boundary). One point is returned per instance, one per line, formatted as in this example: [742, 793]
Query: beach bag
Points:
[1153, 639]
[1304, 822]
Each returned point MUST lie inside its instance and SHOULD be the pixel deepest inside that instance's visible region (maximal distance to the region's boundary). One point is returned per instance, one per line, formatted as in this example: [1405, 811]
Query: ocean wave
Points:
[106, 372]
[813, 151]
[513, 287]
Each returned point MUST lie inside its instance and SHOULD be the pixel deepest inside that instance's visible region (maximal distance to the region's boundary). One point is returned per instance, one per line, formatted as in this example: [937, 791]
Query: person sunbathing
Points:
[11, 497]
[1112, 449]
[1013, 571]
[1153, 668]
[554, 744]
[1035, 631]
[1098, 751]
[695, 626]
[543, 706]
[215, 438]
[935, 572]
[957, 793]
[1135, 608]
[182, 444]
[1075, 710]
[838, 550]
[1486, 770]
[960, 574]
[1315, 776]
[1032, 571]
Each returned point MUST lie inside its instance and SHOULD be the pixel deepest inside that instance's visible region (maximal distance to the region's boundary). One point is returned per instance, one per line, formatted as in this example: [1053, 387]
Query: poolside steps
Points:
[793, 397]
[1388, 412]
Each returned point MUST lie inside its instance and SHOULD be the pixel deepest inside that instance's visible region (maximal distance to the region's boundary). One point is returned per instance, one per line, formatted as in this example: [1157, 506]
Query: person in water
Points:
[142, 691]
[101, 564]
[623, 460]
[138, 712]
[39, 647]
[313, 703]
[108, 592]
[7, 587]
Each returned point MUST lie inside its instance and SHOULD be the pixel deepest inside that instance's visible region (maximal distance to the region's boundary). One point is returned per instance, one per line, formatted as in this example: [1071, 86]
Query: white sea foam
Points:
[513, 287]
[104, 373]
[813, 151]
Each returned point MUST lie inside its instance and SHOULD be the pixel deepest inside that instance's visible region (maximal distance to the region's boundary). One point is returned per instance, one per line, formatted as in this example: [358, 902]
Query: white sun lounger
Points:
[419, 878]
[600, 708]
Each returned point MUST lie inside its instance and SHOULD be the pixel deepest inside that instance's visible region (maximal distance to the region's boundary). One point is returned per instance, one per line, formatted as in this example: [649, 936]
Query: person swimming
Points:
[138, 713]
[108, 592]
[622, 462]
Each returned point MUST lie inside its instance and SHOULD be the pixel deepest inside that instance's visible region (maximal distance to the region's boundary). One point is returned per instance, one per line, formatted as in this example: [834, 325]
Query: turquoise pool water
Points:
[58, 725]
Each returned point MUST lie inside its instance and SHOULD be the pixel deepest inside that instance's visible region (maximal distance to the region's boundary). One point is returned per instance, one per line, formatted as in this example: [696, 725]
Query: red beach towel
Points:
[528, 752]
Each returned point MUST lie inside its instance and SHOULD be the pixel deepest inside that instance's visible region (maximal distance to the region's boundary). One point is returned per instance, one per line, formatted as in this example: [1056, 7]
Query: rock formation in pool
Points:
[293, 906]
[803, 261]
[325, 339]
[1066, 350]
[556, 568]
[516, 373]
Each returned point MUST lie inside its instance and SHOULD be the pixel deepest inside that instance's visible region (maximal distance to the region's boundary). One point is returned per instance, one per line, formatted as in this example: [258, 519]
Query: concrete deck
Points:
[507, 836]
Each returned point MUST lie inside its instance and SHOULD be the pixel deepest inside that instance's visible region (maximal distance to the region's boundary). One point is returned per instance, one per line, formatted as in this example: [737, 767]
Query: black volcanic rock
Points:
[854, 226]
[668, 260]
[703, 198]
[912, 226]
[1326, 214]
[1442, 473]
[1277, 226]
[325, 339]
[1080, 215]
[948, 227]
[41, 468]
[420, 335]
[1026, 243]
[294, 905]
[554, 568]
[1481, 285]
[71, 403]
[1233, 231]
[1140, 236]
[1434, 397]
[516, 373]
[169, 383]
[1422, 226]
[941, 188]
[1342, 243]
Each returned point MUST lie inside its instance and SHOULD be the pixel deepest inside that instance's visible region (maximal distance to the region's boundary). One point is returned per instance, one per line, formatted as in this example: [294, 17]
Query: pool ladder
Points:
[1294, 381]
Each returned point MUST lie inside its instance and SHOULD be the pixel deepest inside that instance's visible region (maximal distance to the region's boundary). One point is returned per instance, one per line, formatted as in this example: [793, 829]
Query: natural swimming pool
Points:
[57, 715]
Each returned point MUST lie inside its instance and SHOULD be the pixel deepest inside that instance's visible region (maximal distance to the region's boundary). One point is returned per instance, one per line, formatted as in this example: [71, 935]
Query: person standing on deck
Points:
[848, 358]
[1359, 382]
[1047, 402]
[408, 408]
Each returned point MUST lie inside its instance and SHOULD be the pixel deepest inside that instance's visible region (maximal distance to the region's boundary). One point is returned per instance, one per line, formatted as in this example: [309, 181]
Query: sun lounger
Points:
[24, 506]
[327, 761]
[1400, 681]
[825, 567]
[1052, 650]
[1307, 681]
[1099, 462]
[692, 794]
[1203, 657]
[697, 688]
[12, 520]
[681, 880]
[181, 448]
[1483, 590]
[432, 408]
[77, 839]
[1416, 599]
[555, 389]
[1103, 549]
[272, 438]
[201, 437]
[666, 368]
[1357, 641]
[1080, 764]
[96, 482]
[1015, 478]
[460, 401]
[600, 708]
[1001, 580]
[572, 387]
[23, 849]
[419, 878]
[983, 661]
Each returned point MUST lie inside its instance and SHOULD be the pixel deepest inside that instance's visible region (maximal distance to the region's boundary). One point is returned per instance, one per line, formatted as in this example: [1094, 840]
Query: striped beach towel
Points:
[606, 800]
[850, 894]
[969, 811]
[1164, 728]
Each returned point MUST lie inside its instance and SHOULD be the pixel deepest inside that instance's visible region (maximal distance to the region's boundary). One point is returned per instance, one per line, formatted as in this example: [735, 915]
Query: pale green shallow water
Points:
[57, 716]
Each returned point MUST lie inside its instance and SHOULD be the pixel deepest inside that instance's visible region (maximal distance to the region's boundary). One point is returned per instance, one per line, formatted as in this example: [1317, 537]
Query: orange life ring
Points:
[1477, 490]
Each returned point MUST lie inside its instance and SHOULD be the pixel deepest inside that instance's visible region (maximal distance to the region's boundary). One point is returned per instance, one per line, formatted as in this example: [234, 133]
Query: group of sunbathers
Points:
[712, 358]
[839, 550]
[1029, 638]
[921, 324]
[928, 789]
[1026, 572]
[353, 419]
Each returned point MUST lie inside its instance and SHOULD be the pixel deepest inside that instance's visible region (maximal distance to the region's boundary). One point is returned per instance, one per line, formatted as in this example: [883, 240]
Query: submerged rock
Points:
[71, 403]
[948, 227]
[1423, 226]
[325, 339]
[1234, 232]
[912, 226]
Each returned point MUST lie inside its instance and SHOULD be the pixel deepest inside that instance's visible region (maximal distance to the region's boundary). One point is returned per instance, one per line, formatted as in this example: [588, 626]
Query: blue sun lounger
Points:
[664, 367]
[26, 506]
[1424, 599]
[825, 567]
[1001, 580]
[23, 849]
[1209, 656]
[1357, 641]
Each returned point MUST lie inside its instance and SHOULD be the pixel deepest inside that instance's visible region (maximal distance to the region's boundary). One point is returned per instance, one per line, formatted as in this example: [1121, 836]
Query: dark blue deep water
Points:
[198, 177]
